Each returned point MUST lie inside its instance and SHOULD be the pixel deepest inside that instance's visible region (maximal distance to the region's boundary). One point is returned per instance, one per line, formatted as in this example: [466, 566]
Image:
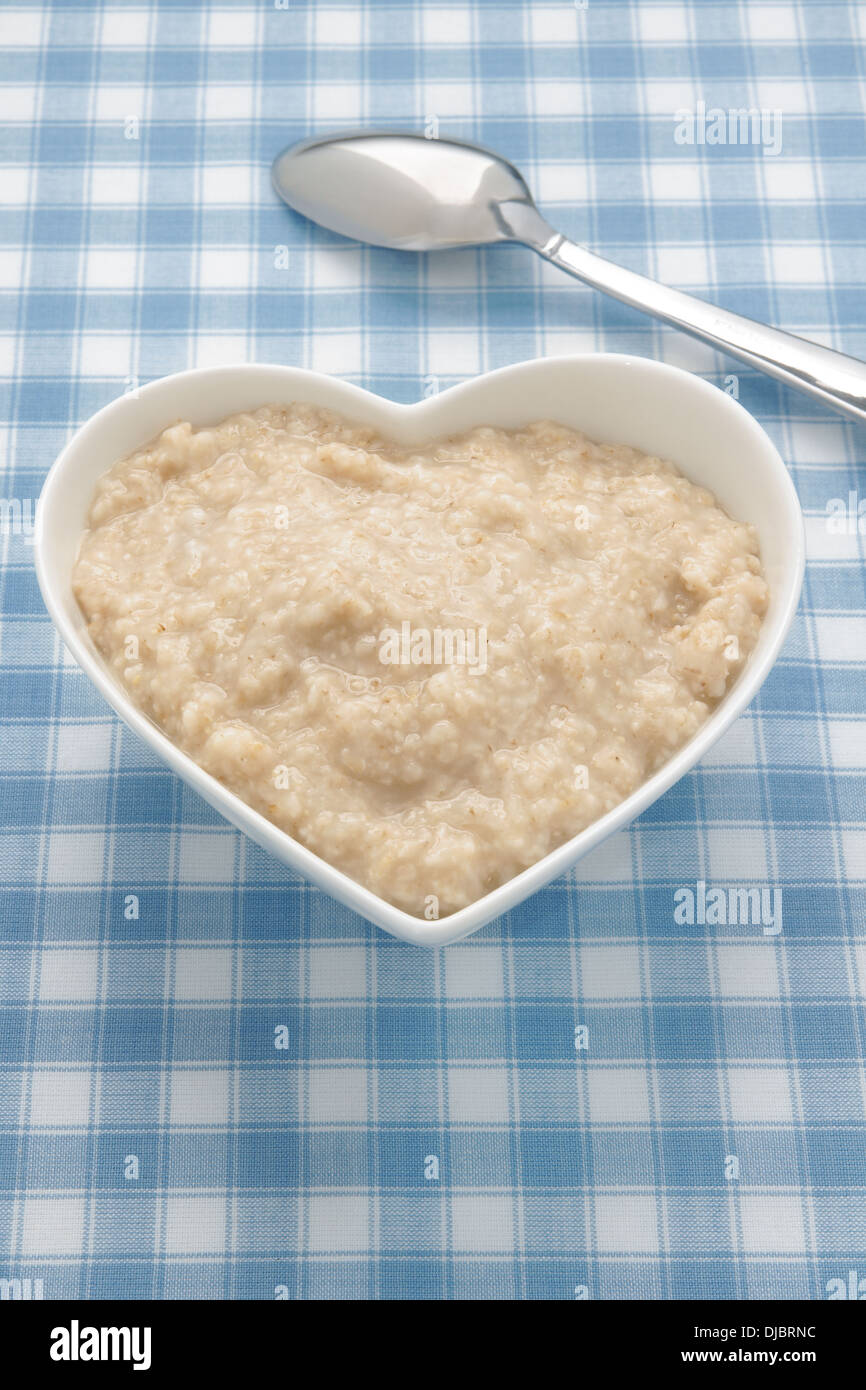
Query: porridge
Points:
[430, 666]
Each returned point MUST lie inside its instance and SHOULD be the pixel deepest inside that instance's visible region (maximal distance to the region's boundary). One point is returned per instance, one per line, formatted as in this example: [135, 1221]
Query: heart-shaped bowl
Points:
[612, 399]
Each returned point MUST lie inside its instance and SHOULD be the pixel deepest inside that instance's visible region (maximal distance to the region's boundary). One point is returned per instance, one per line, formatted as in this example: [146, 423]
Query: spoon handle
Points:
[832, 377]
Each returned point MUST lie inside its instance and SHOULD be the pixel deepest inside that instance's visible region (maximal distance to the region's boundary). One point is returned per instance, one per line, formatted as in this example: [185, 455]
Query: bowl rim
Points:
[303, 861]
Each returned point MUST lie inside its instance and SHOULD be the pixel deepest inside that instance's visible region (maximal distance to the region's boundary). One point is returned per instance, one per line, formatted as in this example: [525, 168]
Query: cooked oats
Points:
[246, 582]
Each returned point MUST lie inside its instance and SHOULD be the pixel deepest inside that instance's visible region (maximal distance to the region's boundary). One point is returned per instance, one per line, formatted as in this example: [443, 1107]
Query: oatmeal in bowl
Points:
[430, 664]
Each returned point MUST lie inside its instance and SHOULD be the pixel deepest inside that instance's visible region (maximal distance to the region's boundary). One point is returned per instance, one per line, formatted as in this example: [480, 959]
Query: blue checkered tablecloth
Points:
[214, 1081]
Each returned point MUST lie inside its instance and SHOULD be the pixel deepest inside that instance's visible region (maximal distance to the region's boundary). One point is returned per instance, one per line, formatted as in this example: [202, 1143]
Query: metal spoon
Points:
[414, 194]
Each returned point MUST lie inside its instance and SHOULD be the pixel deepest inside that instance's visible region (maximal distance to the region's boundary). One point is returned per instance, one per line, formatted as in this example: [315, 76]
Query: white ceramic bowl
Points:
[615, 399]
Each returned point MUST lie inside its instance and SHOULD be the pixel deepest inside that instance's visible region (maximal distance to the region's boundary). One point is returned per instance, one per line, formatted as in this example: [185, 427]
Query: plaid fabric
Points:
[215, 1082]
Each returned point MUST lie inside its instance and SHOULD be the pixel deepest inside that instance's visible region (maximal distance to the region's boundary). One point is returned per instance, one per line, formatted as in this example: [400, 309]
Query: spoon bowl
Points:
[402, 191]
